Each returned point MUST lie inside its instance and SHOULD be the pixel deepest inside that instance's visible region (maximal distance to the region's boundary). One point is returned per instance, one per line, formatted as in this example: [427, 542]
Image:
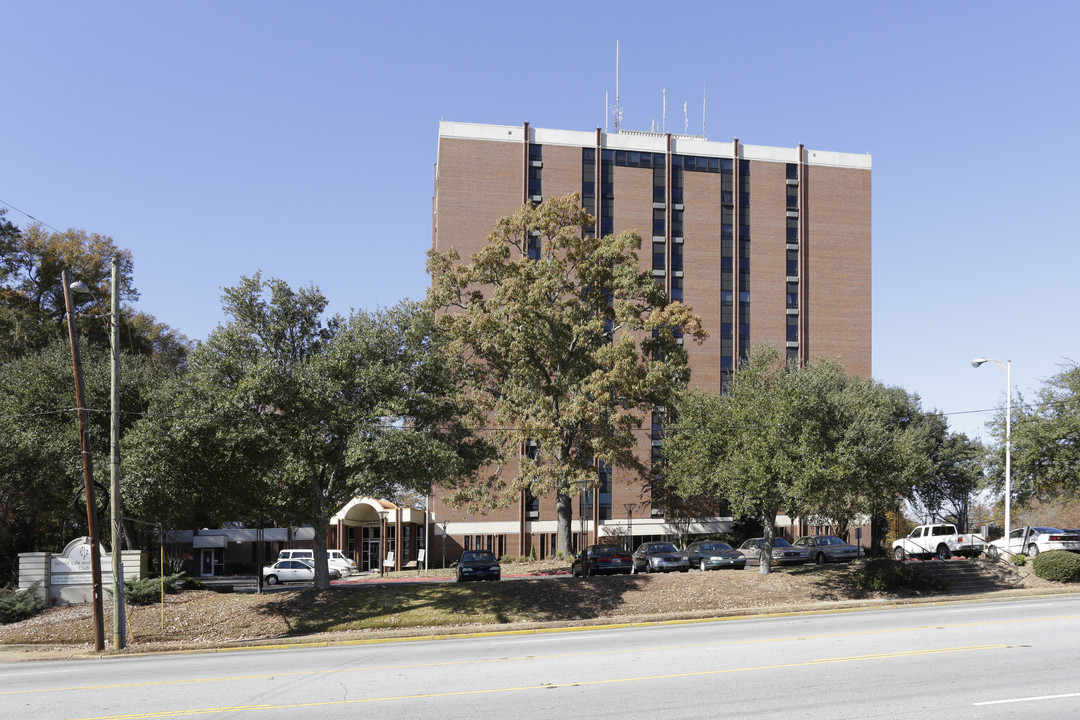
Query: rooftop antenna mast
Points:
[617, 112]
[703, 110]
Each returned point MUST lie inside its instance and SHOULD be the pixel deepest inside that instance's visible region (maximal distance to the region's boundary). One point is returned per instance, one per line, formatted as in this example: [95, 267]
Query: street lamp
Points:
[630, 524]
[119, 614]
[1007, 367]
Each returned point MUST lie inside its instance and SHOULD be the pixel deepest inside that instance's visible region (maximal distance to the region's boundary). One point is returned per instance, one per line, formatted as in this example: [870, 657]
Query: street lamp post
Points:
[630, 524]
[88, 472]
[119, 612]
[1007, 367]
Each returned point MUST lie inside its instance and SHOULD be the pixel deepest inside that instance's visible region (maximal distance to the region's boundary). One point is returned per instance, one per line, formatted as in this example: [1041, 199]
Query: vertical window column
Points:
[742, 216]
[793, 262]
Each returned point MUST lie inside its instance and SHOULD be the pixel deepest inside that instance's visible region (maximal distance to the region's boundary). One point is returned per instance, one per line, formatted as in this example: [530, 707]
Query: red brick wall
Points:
[838, 254]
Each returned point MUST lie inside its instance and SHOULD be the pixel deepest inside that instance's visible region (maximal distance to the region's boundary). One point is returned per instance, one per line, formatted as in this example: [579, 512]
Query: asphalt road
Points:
[1002, 659]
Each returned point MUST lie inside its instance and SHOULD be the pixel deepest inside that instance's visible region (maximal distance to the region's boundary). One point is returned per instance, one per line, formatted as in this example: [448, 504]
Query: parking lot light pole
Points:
[1007, 367]
[630, 525]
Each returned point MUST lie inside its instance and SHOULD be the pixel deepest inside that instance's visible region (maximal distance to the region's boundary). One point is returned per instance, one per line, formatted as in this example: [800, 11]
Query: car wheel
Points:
[943, 552]
[1033, 550]
[589, 570]
[575, 571]
[271, 579]
[648, 568]
[898, 554]
[820, 559]
[701, 566]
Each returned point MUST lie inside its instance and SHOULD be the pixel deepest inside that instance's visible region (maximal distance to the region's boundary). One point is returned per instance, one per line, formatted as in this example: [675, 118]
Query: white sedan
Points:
[293, 571]
[1031, 541]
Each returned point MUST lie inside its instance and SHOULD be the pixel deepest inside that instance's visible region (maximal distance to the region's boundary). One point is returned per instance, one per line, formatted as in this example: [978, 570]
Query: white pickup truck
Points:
[941, 541]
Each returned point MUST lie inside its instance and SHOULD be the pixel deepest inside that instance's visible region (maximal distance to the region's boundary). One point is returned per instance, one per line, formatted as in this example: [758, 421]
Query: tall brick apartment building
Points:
[767, 244]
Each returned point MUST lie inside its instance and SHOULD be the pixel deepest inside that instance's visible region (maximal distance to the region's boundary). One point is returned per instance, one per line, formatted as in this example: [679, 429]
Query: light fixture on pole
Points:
[1007, 367]
[119, 607]
[630, 524]
[88, 472]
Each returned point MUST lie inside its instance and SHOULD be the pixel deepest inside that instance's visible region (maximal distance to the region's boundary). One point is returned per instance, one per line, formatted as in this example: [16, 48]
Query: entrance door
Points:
[369, 548]
[208, 560]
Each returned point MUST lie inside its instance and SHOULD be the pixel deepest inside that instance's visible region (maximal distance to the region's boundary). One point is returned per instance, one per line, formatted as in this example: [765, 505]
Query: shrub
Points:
[886, 575]
[513, 559]
[1057, 565]
[146, 591]
[1019, 560]
[16, 605]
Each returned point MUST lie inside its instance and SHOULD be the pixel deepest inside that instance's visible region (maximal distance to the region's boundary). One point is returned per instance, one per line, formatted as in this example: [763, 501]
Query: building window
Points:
[677, 288]
[605, 491]
[658, 221]
[792, 171]
[676, 256]
[534, 247]
[792, 197]
[793, 295]
[793, 230]
[658, 256]
[793, 328]
[792, 263]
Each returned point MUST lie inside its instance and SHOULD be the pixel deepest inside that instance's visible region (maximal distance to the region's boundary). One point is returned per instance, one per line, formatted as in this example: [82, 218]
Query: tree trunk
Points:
[322, 562]
[565, 511]
[768, 532]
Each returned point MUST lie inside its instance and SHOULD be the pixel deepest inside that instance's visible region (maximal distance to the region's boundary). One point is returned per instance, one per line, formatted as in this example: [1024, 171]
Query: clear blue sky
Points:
[217, 139]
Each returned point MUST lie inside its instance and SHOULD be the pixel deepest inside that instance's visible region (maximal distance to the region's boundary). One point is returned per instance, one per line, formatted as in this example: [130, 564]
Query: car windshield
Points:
[475, 556]
[714, 547]
[830, 540]
[780, 542]
[605, 550]
[1046, 530]
[660, 548]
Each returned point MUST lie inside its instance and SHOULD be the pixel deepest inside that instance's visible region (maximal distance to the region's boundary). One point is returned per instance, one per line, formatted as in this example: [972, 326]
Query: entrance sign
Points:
[66, 578]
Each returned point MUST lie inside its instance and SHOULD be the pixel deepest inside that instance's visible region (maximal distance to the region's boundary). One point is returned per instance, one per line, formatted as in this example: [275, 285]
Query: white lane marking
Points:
[1027, 699]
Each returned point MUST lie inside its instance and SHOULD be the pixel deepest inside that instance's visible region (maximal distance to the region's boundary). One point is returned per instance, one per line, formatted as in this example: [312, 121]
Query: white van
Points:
[334, 558]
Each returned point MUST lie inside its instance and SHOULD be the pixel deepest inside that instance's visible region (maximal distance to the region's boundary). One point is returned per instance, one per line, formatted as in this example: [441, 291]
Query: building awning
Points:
[210, 541]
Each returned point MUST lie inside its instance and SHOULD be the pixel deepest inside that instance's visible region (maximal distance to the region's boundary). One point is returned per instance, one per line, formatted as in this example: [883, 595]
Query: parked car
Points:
[712, 555]
[334, 558]
[654, 557]
[293, 571]
[1033, 540]
[783, 553]
[478, 565]
[827, 548]
[600, 559]
[940, 540]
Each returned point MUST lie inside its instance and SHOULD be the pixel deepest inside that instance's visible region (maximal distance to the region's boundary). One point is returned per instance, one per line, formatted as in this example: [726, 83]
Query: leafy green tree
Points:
[291, 414]
[955, 476]
[1045, 442]
[41, 481]
[803, 440]
[565, 354]
[32, 295]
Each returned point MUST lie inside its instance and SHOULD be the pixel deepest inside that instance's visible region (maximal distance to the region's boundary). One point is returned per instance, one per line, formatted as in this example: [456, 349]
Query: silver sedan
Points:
[783, 553]
[827, 548]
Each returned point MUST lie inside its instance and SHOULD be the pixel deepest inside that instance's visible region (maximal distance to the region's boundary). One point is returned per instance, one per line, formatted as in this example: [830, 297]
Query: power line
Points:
[23, 212]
